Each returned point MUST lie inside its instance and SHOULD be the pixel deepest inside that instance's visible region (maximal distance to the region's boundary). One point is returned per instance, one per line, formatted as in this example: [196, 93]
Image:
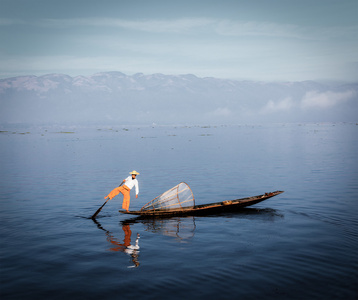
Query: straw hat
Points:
[134, 173]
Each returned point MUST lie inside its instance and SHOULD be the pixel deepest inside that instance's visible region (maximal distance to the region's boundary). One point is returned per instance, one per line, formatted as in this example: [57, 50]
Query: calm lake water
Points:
[301, 244]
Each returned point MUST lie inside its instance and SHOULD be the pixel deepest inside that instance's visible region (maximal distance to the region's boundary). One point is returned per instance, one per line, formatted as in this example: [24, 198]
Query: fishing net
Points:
[177, 197]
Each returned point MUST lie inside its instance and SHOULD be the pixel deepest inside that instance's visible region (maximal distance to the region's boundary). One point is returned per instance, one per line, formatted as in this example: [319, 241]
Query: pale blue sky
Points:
[258, 39]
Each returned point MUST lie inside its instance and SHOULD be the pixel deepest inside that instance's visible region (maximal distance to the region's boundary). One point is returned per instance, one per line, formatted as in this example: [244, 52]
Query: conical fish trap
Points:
[177, 197]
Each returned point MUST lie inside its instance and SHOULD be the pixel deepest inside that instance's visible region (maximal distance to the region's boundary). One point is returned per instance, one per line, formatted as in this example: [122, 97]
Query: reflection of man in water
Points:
[126, 241]
[126, 246]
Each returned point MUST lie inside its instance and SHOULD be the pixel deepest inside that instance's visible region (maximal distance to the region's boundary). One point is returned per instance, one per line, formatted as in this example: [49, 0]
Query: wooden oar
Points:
[98, 210]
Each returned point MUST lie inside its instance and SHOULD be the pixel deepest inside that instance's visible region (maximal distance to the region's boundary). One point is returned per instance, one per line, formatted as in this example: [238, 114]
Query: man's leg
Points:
[113, 193]
[126, 199]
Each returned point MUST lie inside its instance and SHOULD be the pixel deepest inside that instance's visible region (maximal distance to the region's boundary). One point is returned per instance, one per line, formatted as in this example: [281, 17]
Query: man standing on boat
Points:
[125, 189]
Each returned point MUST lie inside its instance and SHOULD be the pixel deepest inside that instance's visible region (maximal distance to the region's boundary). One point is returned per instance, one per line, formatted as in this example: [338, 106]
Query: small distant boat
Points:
[179, 201]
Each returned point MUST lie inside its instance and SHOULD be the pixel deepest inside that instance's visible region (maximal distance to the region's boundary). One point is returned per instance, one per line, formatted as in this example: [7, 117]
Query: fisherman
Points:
[125, 189]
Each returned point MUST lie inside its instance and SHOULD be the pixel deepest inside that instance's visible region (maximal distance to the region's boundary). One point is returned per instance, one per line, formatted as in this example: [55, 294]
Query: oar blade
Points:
[98, 210]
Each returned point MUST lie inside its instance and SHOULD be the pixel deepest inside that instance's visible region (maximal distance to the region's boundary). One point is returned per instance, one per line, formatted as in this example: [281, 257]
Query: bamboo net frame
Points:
[178, 197]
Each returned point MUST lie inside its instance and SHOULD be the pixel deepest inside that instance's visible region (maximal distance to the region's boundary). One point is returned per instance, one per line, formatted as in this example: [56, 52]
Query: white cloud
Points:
[280, 106]
[237, 28]
[9, 22]
[224, 27]
[328, 99]
[153, 25]
[220, 112]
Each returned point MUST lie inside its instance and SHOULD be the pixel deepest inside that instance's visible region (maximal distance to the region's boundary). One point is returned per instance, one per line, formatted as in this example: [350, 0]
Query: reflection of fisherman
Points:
[125, 189]
[126, 246]
[126, 241]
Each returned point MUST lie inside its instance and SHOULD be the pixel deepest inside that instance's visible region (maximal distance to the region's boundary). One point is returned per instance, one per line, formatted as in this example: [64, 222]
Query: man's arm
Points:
[136, 189]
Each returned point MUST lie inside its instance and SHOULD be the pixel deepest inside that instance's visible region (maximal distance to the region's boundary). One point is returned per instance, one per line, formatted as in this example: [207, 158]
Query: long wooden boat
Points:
[212, 208]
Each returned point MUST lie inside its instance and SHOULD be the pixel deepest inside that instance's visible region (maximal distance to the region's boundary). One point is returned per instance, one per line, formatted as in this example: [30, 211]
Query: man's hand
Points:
[136, 196]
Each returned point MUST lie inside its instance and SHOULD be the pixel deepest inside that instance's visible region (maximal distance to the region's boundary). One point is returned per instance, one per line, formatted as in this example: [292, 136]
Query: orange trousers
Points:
[126, 195]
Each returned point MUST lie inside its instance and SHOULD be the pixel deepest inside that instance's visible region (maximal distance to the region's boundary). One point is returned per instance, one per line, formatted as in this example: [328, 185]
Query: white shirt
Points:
[130, 183]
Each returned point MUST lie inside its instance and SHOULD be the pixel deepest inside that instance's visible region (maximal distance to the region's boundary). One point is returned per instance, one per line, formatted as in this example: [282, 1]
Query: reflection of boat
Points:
[180, 201]
[179, 228]
[183, 228]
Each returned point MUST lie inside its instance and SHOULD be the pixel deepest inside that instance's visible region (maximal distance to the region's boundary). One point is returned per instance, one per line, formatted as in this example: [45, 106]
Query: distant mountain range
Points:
[113, 97]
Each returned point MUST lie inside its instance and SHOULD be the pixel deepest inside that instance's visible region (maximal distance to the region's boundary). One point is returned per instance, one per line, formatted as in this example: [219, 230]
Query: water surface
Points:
[301, 244]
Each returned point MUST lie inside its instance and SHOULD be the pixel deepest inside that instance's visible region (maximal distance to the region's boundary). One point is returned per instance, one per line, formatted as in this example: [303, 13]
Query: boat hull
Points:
[212, 208]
